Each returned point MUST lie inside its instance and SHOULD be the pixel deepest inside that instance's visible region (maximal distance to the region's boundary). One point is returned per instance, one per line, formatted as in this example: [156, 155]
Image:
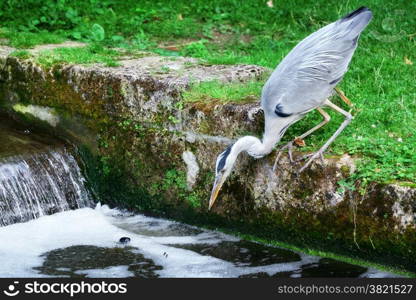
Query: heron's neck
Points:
[274, 129]
[273, 132]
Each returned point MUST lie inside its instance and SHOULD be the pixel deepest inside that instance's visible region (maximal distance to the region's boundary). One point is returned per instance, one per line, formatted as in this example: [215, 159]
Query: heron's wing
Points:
[307, 75]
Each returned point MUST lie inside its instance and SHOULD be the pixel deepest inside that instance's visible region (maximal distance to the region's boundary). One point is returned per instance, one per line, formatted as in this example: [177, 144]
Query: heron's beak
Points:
[219, 181]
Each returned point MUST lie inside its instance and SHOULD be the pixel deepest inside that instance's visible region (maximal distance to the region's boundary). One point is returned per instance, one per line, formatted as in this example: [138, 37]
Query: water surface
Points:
[85, 243]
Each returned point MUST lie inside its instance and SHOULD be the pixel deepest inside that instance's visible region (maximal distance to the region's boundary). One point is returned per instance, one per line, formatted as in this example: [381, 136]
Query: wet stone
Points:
[69, 261]
[17, 139]
[124, 240]
[244, 253]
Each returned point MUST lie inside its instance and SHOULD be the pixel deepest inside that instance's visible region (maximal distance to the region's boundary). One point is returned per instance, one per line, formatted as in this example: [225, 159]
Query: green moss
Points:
[177, 180]
[204, 127]
[405, 184]
[22, 54]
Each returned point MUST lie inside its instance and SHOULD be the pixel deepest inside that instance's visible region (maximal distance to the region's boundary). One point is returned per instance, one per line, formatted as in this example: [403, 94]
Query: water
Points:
[35, 185]
[85, 243]
[38, 176]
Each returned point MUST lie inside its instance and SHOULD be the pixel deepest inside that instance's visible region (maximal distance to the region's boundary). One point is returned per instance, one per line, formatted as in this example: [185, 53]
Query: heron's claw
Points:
[304, 157]
[312, 156]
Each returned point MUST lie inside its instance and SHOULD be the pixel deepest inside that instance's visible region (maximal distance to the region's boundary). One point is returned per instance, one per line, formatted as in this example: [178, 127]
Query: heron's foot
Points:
[289, 147]
[311, 157]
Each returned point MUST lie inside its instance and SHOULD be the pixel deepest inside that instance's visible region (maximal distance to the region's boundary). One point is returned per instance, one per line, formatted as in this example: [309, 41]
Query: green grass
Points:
[78, 55]
[379, 82]
[219, 92]
[30, 39]
[72, 55]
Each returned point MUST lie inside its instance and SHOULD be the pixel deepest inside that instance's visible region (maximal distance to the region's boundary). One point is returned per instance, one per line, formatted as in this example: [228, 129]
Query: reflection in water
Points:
[325, 267]
[244, 253]
[80, 261]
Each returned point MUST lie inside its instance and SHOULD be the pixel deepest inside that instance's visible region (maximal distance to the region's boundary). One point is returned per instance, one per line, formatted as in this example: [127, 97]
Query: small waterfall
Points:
[42, 183]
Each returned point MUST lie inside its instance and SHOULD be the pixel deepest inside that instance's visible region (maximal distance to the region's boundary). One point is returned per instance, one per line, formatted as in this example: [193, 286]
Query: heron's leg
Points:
[289, 145]
[327, 118]
[343, 97]
[348, 118]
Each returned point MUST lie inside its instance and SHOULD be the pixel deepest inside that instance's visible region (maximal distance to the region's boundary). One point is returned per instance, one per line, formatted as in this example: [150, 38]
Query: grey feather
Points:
[307, 75]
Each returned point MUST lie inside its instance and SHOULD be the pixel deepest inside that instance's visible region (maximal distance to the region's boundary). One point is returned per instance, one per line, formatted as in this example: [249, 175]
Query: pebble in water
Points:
[124, 240]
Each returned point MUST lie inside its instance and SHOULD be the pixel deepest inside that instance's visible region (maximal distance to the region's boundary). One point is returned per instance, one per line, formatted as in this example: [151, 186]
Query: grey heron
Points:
[302, 82]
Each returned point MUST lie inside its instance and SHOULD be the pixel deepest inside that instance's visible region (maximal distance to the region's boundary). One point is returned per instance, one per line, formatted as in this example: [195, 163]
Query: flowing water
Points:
[37, 178]
[49, 228]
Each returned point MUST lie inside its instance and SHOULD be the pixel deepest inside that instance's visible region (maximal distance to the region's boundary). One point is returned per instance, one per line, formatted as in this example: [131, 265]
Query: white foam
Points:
[110, 272]
[22, 244]
[373, 273]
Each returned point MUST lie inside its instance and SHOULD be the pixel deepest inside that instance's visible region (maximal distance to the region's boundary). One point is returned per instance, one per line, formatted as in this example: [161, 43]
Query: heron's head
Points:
[223, 168]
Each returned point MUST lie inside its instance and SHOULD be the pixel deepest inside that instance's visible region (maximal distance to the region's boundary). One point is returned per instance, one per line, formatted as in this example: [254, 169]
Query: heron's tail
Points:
[356, 21]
